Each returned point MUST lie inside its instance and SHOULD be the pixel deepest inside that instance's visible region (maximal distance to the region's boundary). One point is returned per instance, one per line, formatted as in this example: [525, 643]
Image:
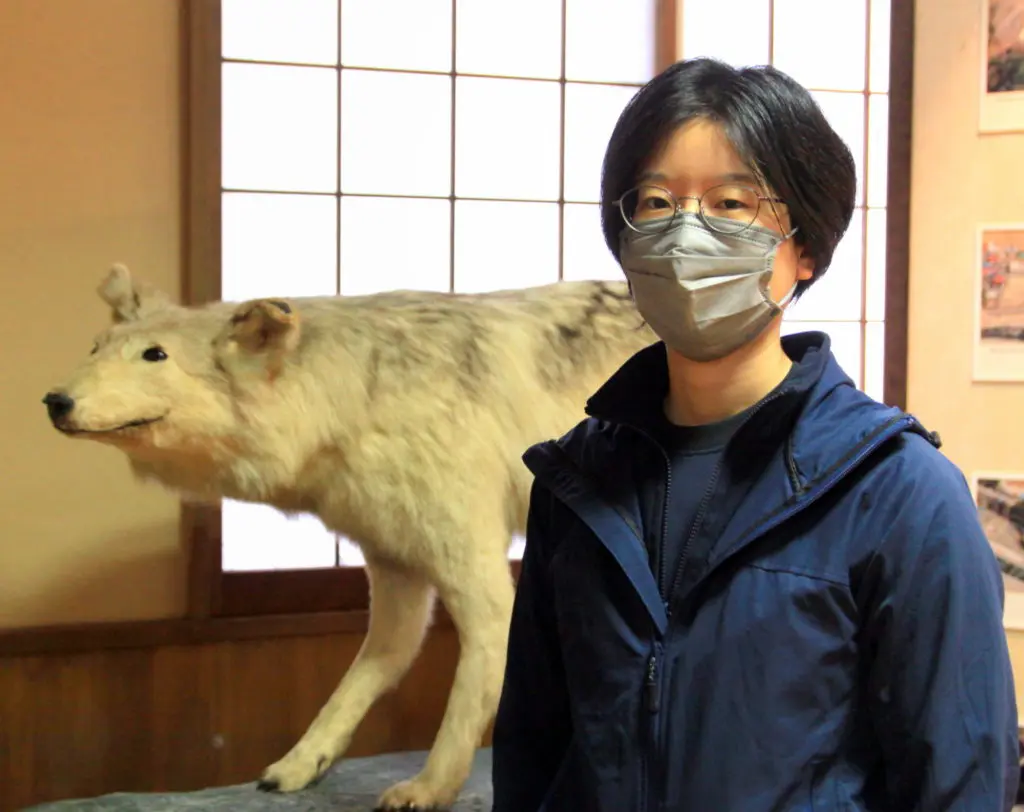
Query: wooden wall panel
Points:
[180, 717]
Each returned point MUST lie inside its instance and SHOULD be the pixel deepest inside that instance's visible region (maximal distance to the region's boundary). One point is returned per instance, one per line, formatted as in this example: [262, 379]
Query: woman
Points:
[746, 586]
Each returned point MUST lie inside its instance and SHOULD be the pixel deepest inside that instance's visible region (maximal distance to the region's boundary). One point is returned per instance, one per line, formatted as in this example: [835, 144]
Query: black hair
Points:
[774, 124]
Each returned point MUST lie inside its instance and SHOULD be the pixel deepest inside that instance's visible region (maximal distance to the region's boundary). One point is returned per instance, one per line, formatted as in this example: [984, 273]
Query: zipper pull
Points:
[651, 685]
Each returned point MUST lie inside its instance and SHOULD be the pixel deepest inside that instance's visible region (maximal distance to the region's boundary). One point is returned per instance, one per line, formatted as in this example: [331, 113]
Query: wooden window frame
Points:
[213, 593]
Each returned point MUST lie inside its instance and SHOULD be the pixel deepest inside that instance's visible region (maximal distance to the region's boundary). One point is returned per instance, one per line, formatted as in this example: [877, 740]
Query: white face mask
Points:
[704, 293]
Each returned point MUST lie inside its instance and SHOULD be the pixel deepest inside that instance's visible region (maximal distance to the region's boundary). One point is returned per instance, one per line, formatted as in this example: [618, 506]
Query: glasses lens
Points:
[648, 209]
[730, 209]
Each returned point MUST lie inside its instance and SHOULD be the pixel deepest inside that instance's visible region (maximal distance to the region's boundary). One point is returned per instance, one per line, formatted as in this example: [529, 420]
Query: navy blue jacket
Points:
[834, 642]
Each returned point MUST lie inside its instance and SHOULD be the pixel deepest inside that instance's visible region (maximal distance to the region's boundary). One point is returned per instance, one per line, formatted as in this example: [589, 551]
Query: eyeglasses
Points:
[727, 209]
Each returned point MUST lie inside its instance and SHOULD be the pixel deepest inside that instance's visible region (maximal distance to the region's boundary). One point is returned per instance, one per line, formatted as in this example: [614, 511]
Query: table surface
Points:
[351, 785]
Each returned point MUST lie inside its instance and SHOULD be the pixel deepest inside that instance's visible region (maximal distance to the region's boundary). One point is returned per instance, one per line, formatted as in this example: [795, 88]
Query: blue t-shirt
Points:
[695, 454]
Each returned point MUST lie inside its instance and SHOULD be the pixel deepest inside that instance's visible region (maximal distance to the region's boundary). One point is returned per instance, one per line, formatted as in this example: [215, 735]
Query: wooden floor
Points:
[180, 717]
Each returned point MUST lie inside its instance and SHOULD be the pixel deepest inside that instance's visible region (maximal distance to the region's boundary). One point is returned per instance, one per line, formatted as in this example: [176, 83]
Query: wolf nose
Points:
[58, 405]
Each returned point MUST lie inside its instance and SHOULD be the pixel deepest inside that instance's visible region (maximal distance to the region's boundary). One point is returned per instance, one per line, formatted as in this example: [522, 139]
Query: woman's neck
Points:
[708, 392]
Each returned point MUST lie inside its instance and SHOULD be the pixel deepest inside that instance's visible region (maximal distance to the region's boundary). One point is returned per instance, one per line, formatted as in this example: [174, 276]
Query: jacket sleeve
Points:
[941, 686]
[532, 727]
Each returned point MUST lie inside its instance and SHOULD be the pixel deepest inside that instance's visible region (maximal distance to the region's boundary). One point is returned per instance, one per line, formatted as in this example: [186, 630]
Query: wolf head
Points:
[168, 384]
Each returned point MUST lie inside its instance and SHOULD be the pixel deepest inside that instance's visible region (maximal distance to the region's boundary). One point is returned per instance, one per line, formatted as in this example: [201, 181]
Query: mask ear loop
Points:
[786, 300]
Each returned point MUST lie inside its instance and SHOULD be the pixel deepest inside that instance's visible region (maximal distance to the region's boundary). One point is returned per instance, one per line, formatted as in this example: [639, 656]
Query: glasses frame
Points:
[678, 207]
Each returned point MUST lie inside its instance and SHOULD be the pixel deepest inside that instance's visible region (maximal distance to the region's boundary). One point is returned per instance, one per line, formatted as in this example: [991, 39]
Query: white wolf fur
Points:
[399, 419]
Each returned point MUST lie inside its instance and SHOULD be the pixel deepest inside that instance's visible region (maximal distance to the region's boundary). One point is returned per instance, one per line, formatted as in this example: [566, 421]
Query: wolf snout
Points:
[58, 406]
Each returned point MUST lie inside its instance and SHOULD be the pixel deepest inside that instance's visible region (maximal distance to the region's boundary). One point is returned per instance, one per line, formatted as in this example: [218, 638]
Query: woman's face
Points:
[697, 157]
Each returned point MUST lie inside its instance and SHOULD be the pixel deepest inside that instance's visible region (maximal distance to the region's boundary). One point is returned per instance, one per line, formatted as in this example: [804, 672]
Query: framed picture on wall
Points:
[999, 303]
[1002, 66]
[999, 496]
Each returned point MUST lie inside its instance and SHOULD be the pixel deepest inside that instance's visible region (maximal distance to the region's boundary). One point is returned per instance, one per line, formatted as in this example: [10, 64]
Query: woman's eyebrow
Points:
[728, 177]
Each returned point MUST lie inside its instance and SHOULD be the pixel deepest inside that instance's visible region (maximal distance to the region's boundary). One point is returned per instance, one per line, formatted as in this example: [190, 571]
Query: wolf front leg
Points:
[400, 607]
[478, 594]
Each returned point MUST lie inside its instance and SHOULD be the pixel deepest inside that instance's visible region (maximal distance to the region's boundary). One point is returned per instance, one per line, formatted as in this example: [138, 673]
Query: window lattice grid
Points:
[320, 165]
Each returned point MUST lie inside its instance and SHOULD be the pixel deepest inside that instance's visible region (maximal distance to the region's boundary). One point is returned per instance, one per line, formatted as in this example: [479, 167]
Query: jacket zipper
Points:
[664, 528]
[652, 695]
[651, 704]
[651, 698]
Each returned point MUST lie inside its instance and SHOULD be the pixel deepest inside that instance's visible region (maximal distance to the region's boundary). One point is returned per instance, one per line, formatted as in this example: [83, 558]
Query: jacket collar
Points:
[638, 388]
[818, 411]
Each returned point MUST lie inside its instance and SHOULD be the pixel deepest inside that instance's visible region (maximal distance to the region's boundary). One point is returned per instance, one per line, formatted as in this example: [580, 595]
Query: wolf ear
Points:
[129, 300]
[269, 328]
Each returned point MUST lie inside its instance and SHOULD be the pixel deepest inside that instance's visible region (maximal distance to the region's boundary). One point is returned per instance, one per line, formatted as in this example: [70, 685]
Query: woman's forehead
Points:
[698, 154]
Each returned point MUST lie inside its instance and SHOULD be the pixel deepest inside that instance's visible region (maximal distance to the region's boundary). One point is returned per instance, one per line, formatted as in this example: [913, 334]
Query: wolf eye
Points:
[154, 354]
[95, 349]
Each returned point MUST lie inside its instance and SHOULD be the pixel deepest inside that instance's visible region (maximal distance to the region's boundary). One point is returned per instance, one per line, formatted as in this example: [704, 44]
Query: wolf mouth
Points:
[131, 424]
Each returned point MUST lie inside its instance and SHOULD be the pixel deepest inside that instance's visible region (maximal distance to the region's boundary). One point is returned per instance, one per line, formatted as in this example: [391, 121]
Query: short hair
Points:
[773, 123]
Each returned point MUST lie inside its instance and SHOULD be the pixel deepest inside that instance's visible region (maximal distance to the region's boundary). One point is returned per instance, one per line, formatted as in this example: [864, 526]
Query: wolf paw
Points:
[293, 772]
[414, 795]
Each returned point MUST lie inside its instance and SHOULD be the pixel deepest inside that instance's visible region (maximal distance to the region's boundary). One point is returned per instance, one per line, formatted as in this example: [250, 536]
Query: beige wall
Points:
[960, 179]
[90, 158]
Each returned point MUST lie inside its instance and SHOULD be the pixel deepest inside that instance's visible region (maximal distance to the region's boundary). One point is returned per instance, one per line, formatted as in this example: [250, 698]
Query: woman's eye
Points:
[731, 204]
[154, 354]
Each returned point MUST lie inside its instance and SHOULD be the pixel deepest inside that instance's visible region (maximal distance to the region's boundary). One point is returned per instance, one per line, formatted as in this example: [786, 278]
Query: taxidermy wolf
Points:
[397, 418]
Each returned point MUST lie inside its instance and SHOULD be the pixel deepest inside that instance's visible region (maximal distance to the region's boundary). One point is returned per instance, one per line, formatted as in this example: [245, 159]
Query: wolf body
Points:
[399, 419]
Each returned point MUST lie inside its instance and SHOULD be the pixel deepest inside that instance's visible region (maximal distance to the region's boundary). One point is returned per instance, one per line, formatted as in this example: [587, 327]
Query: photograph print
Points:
[1002, 68]
[1000, 500]
[999, 304]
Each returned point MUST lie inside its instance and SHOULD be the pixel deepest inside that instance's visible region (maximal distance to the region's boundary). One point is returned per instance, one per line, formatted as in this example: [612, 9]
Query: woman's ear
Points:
[805, 265]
